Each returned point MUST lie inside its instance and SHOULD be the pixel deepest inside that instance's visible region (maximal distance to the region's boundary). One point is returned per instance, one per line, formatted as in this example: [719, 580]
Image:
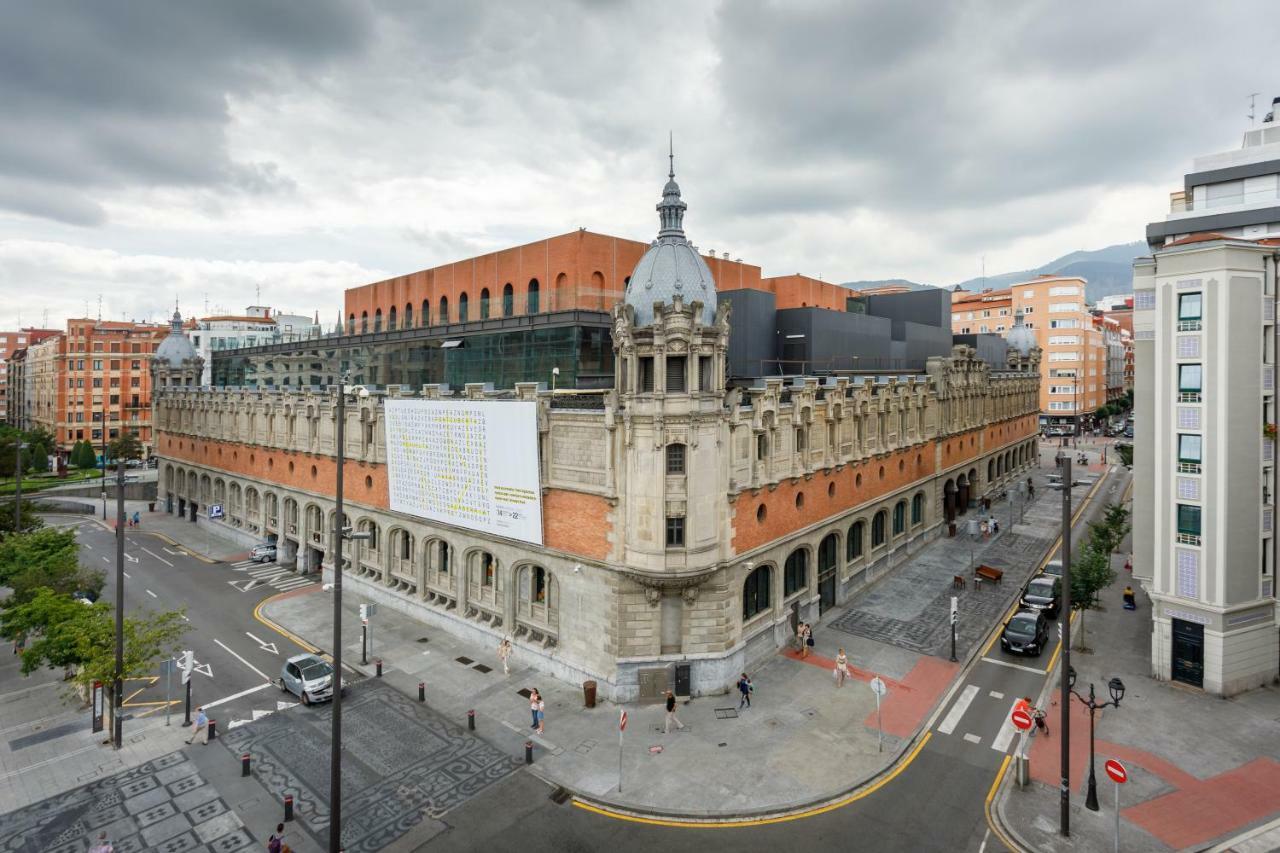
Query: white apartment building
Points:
[256, 327]
[1204, 454]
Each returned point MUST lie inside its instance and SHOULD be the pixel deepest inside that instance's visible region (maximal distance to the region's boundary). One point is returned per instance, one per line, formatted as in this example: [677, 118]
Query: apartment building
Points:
[92, 381]
[1205, 433]
[10, 344]
[256, 327]
[1074, 361]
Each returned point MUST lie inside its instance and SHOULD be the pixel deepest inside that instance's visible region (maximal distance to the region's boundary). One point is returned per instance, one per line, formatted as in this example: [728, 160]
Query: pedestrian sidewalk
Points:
[1201, 769]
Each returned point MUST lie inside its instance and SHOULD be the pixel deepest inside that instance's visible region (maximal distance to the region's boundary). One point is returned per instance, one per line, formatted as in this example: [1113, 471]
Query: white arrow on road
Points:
[244, 585]
[266, 647]
[130, 557]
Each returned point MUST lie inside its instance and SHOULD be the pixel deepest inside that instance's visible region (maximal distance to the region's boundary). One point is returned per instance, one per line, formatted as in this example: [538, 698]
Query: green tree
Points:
[127, 446]
[44, 559]
[27, 519]
[1125, 452]
[83, 456]
[1091, 573]
[39, 457]
[1116, 518]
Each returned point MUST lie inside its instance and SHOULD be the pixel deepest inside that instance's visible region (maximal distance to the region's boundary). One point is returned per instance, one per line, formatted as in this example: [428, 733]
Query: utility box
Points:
[654, 683]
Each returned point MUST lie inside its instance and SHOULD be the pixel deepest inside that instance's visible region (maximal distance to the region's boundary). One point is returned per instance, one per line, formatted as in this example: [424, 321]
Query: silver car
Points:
[308, 677]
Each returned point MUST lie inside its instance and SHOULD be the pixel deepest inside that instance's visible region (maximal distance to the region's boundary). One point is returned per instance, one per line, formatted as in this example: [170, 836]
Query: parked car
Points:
[1053, 568]
[1026, 633]
[1043, 592]
[309, 677]
[263, 553]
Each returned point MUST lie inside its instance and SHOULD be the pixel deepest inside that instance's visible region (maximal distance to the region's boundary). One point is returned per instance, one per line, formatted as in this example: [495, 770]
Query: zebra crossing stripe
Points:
[293, 584]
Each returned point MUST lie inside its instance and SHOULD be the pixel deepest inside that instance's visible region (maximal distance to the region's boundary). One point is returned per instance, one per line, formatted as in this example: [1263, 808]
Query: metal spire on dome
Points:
[671, 209]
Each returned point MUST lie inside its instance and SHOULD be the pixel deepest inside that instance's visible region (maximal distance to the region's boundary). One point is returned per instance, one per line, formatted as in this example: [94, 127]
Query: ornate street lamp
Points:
[1116, 688]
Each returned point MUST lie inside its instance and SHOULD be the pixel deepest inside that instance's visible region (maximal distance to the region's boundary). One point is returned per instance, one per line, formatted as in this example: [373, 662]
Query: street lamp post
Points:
[117, 698]
[1064, 790]
[17, 489]
[1116, 688]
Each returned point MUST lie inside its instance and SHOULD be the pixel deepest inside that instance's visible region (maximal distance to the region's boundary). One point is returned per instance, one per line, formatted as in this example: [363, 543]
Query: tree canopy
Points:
[126, 446]
[45, 559]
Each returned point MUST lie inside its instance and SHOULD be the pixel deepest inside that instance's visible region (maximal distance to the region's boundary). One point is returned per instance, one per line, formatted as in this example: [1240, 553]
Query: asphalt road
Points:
[237, 657]
[937, 801]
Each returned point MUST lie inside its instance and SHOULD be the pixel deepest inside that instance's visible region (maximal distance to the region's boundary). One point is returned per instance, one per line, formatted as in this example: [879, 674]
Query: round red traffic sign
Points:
[1021, 719]
[1116, 771]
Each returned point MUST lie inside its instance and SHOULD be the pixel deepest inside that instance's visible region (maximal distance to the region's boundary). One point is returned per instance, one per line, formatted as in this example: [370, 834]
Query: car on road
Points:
[263, 553]
[309, 677]
[1053, 568]
[1026, 633]
[1043, 593]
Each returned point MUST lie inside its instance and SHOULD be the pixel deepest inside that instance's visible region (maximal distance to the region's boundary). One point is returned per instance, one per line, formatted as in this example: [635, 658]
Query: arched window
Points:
[425, 319]
[991, 470]
[364, 322]
[917, 508]
[755, 592]
[351, 324]
[899, 518]
[462, 308]
[444, 558]
[853, 544]
[877, 529]
[675, 458]
[795, 572]
[828, 548]
[391, 319]
[531, 297]
[377, 320]
[508, 300]
[488, 569]
[444, 309]
[408, 315]
[484, 304]
[537, 601]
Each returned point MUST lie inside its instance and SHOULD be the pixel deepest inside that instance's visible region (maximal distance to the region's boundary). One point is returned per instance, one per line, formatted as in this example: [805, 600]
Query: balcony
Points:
[1189, 325]
[1188, 539]
[1188, 467]
[1189, 397]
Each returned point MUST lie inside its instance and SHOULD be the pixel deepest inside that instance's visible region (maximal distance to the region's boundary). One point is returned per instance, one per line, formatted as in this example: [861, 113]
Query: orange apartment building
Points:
[579, 270]
[1073, 364]
[93, 381]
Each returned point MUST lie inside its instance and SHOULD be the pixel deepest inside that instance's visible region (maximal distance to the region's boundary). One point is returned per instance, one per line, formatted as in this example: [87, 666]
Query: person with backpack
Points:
[275, 844]
[745, 687]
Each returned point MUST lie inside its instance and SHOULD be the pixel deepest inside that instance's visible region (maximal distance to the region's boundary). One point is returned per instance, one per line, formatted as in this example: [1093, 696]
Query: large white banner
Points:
[470, 463]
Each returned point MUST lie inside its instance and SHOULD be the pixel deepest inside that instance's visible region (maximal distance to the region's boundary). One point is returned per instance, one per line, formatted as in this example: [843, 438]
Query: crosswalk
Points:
[269, 574]
[1004, 733]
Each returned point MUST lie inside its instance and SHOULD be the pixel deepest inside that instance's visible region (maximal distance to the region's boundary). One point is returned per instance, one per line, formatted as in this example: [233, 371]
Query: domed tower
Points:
[670, 342]
[1021, 340]
[175, 363]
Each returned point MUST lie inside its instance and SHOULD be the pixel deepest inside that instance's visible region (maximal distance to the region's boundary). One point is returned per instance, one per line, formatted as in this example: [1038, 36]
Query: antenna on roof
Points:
[99, 307]
[1253, 98]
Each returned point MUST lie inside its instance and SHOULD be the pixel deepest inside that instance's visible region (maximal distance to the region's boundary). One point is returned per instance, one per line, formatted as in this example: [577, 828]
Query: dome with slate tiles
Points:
[175, 349]
[672, 266]
[1021, 337]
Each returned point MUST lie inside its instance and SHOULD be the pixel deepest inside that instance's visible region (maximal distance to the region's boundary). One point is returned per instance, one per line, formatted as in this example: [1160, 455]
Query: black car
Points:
[1026, 633]
[1043, 592]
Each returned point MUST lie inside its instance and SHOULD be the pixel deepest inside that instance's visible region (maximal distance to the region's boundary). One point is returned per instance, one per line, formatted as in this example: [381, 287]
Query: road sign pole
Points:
[879, 727]
[364, 642]
[621, 728]
[955, 612]
[1064, 667]
[187, 720]
[1117, 847]
[168, 686]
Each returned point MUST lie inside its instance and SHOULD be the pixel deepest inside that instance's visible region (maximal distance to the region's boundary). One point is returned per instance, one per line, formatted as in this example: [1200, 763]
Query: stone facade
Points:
[667, 501]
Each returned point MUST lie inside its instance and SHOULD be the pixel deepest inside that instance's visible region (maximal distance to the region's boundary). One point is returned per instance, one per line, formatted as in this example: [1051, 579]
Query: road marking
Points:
[242, 660]
[952, 719]
[266, 647]
[257, 614]
[973, 738]
[86, 545]
[996, 694]
[991, 795]
[285, 586]
[130, 557]
[999, 662]
[105, 560]
[235, 696]
[174, 553]
[1007, 731]
[126, 574]
[152, 594]
[158, 557]
[982, 848]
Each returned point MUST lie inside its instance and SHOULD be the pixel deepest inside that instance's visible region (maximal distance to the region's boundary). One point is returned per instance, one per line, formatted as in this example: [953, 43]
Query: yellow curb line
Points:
[284, 632]
[734, 824]
[190, 553]
[991, 795]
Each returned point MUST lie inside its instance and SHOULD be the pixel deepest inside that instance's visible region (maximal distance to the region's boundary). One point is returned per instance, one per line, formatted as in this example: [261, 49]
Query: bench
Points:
[957, 582]
[988, 573]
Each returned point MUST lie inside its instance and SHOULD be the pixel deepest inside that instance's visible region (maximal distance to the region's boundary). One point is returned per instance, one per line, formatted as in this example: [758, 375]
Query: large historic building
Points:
[687, 525]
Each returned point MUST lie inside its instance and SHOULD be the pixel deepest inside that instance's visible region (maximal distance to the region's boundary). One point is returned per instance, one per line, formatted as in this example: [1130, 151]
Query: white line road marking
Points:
[996, 694]
[130, 557]
[285, 586]
[973, 738]
[234, 696]
[266, 647]
[242, 660]
[126, 574]
[952, 719]
[983, 847]
[105, 560]
[174, 553]
[158, 557]
[152, 594]
[998, 662]
[1007, 731]
[86, 545]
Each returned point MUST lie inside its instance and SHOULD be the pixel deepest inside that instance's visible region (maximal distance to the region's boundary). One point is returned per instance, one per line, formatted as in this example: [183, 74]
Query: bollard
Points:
[288, 807]
[379, 664]
[244, 764]
[528, 752]
[471, 720]
[422, 691]
[213, 729]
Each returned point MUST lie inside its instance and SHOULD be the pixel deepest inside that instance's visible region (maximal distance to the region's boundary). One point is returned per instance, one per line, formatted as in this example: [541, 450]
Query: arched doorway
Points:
[962, 494]
[827, 553]
[949, 501]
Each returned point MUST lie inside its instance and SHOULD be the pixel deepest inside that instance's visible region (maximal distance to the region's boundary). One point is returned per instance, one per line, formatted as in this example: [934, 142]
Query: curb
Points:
[278, 628]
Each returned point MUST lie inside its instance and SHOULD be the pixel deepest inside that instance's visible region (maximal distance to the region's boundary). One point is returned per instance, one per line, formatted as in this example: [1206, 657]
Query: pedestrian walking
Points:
[808, 641]
[671, 714]
[504, 655]
[1128, 563]
[1130, 603]
[842, 668]
[201, 723]
[995, 525]
[1031, 488]
[986, 530]
[137, 519]
[800, 639]
[103, 845]
[745, 687]
[275, 844]
[534, 699]
[542, 715]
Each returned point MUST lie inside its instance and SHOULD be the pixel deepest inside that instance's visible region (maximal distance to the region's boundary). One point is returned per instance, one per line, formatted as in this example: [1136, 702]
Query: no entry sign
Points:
[1116, 771]
[1021, 719]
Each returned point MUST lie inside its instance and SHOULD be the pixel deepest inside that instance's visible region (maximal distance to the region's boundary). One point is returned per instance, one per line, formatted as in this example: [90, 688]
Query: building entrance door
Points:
[827, 552]
[1188, 653]
[826, 591]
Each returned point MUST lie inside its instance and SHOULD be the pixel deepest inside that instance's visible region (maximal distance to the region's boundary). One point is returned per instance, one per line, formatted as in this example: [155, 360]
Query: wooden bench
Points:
[957, 582]
[988, 573]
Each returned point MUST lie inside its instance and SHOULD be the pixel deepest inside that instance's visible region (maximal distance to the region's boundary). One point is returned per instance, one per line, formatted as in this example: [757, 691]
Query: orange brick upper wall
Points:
[572, 522]
[800, 291]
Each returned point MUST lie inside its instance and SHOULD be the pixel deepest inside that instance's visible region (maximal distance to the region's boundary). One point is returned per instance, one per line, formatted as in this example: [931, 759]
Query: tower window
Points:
[675, 531]
[675, 459]
[675, 373]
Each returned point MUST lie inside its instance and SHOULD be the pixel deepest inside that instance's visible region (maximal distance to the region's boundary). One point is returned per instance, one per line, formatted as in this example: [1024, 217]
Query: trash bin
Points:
[951, 529]
[589, 693]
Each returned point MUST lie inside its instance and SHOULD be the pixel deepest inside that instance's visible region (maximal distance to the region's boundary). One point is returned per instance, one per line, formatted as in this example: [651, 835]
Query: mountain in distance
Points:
[1109, 271]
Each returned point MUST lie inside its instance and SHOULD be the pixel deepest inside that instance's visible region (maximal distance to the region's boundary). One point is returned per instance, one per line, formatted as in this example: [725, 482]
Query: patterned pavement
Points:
[402, 764]
[163, 805]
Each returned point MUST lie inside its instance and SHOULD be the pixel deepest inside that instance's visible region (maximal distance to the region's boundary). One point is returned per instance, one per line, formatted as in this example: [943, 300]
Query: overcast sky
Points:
[192, 150]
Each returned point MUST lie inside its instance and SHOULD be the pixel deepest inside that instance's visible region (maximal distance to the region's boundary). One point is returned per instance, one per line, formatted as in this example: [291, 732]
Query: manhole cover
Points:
[465, 661]
[524, 691]
[726, 713]
[424, 640]
[482, 668]
[722, 744]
